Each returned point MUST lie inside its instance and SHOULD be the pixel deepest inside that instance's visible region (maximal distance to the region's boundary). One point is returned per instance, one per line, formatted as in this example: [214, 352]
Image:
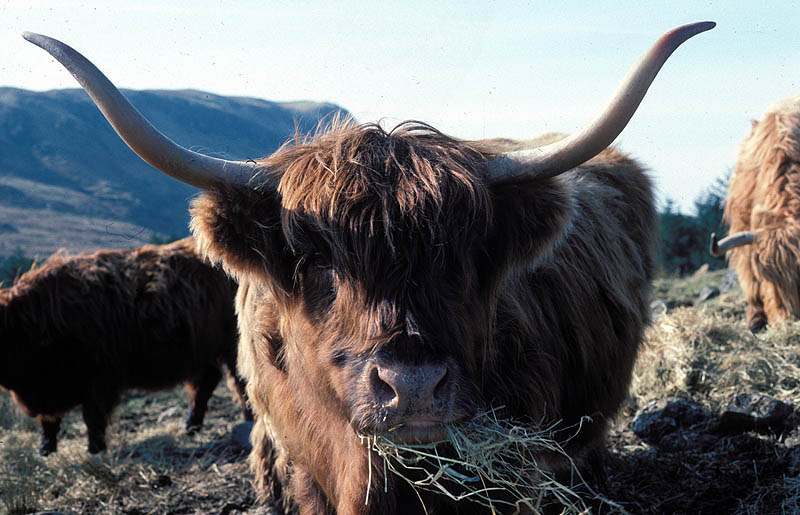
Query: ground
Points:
[152, 466]
[702, 352]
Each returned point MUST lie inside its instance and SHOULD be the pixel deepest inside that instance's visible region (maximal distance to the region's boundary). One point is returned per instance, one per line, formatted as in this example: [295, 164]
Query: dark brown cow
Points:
[763, 213]
[80, 330]
[405, 280]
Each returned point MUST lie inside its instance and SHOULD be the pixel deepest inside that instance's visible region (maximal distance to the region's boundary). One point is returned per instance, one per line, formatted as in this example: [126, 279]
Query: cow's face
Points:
[392, 325]
[385, 254]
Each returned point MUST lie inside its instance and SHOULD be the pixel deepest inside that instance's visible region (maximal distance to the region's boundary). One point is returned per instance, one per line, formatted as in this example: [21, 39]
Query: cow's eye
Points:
[318, 279]
[316, 261]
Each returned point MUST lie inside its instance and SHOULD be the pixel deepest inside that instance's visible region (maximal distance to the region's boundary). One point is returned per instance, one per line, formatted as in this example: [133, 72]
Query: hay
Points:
[148, 467]
[493, 462]
[708, 354]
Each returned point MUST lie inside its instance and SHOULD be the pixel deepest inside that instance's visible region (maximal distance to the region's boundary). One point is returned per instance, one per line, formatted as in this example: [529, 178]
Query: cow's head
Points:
[382, 251]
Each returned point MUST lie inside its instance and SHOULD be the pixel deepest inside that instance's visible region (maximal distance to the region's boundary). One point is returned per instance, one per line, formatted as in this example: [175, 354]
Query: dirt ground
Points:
[151, 466]
[703, 353]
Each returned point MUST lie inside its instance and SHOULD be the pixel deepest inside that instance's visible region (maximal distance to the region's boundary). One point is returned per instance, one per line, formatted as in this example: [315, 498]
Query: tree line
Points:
[685, 238]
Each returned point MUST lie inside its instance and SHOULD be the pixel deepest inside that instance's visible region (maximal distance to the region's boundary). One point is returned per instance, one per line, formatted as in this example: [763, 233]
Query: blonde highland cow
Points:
[763, 213]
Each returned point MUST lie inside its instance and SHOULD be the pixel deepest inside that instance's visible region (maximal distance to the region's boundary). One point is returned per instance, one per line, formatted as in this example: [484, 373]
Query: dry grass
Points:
[706, 353]
[489, 461]
[150, 467]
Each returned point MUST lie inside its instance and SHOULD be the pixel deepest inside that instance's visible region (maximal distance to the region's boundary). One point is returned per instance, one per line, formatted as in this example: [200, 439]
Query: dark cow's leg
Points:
[239, 387]
[96, 413]
[200, 391]
[50, 426]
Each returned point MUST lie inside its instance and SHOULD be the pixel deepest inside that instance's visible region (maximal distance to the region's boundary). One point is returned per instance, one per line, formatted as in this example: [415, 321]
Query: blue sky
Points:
[471, 69]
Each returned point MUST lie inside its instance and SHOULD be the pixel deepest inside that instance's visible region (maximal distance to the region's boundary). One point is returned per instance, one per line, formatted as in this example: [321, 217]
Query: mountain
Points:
[68, 181]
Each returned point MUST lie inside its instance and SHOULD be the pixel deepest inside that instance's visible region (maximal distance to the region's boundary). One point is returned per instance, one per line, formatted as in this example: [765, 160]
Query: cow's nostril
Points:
[383, 391]
[441, 392]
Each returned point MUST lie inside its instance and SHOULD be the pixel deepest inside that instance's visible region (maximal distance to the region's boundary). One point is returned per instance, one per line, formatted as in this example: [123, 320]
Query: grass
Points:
[488, 461]
[150, 467]
[707, 353]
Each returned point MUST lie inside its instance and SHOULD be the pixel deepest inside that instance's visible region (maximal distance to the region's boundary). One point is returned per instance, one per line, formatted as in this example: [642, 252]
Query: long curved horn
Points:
[556, 158]
[151, 145]
[719, 248]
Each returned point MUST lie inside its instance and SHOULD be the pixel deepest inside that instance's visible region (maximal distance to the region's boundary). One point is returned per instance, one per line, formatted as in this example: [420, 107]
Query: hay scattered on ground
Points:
[149, 467]
[707, 354]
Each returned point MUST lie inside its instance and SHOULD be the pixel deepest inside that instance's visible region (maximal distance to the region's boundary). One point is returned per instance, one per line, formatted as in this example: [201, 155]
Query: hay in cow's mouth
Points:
[487, 460]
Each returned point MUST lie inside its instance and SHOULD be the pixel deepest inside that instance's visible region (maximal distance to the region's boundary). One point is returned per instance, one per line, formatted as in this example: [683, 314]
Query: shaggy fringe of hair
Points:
[420, 172]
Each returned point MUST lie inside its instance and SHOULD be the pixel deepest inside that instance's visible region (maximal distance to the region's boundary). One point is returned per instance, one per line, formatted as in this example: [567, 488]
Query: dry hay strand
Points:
[494, 462]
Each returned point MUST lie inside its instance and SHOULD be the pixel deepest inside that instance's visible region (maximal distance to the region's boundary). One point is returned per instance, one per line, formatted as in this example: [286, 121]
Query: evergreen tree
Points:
[685, 238]
[14, 266]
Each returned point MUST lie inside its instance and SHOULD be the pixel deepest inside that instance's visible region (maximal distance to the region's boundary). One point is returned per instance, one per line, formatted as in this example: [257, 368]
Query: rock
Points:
[708, 292]
[728, 281]
[240, 434]
[174, 411]
[688, 440]
[664, 416]
[757, 412]
[672, 304]
[160, 482]
[702, 270]
[658, 308]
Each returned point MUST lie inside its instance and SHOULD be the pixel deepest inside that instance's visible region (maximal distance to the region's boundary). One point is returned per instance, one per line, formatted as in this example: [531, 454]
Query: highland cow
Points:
[80, 330]
[399, 282]
[763, 212]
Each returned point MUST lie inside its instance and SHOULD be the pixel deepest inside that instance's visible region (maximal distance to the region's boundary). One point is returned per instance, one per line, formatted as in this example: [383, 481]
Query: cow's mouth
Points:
[417, 431]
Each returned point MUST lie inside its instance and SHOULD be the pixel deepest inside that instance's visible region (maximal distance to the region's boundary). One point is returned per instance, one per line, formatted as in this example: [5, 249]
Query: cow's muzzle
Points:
[415, 400]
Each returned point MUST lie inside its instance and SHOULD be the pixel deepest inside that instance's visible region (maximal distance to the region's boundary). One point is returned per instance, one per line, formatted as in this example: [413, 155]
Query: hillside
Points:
[67, 180]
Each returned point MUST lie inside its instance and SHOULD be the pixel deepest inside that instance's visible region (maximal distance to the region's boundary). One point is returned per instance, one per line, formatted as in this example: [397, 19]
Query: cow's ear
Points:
[531, 218]
[240, 227]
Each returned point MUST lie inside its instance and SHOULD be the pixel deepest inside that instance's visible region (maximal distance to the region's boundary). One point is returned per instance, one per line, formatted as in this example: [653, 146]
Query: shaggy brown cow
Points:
[763, 213]
[80, 330]
[396, 282]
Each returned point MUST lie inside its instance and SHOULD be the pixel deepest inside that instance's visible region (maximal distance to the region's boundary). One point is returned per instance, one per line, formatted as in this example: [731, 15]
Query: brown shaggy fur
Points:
[80, 330]
[397, 246]
[764, 196]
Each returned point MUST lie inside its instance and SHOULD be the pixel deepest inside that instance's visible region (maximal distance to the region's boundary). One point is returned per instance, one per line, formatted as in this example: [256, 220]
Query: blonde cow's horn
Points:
[158, 150]
[556, 158]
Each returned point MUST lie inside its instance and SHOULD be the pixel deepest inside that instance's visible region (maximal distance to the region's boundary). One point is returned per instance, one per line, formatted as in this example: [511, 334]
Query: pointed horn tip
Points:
[677, 36]
[33, 37]
[703, 26]
[44, 42]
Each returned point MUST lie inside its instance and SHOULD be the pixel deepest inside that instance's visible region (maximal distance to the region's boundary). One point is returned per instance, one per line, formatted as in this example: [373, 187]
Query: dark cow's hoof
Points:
[48, 448]
[96, 448]
[192, 428]
[758, 326]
